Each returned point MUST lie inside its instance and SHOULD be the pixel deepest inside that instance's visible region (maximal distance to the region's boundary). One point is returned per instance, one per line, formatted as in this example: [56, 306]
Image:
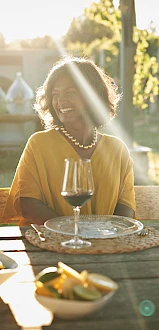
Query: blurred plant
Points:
[38, 42]
[85, 30]
[145, 82]
[105, 13]
[9, 159]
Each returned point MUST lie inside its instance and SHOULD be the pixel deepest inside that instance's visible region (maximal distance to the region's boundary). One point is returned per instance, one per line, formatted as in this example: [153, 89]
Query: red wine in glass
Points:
[77, 200]
[77, 189]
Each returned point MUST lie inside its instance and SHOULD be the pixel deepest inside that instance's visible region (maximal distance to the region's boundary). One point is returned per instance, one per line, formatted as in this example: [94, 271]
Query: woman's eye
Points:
[55, 96]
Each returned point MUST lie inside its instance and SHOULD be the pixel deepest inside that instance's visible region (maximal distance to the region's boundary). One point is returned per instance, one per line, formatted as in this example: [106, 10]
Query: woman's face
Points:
[67, 101]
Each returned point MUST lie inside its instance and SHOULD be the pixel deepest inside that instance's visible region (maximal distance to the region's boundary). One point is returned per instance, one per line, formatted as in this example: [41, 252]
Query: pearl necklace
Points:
[70, 137]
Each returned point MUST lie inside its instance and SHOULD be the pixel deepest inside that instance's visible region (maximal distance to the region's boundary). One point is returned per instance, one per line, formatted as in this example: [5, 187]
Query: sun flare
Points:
[23, 20]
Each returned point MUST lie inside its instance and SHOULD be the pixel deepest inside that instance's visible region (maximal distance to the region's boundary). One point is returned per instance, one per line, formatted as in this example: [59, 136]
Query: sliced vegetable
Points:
[42, 290]
[86, 293]
[68, 285]
[102, 282]
[48, 274]
[84, 275]
[69, 271]
[57, 282]
[53, 291]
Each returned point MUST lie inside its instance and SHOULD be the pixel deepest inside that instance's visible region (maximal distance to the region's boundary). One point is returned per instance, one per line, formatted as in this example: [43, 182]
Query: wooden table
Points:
[137, 274]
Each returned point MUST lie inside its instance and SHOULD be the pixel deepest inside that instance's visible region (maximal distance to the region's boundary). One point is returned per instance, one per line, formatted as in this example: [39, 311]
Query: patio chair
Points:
[147, 202]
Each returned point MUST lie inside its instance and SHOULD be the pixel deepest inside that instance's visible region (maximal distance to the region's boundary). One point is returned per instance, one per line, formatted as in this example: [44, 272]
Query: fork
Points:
[40, 234]
[144, 232]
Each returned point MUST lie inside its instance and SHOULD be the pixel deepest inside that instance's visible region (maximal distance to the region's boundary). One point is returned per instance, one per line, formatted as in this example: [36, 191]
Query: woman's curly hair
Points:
[97, 88]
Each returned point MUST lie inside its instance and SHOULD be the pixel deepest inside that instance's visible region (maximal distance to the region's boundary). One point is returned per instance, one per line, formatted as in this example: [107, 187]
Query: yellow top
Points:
[40, 173]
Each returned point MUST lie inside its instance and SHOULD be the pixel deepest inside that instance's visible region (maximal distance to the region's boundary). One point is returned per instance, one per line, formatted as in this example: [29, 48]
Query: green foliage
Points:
[99, 28]
[85, 30]
[104, 13]
[108, 19]
[9, 159]
[38, 42]
[93, 49]
[3, 108]
[145, 82]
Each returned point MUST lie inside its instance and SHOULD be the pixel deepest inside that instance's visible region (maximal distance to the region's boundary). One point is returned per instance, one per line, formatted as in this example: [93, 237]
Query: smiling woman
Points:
[76, 99]
[73, 85]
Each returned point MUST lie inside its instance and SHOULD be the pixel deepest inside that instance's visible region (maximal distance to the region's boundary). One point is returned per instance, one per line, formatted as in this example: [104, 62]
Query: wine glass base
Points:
[76, 244]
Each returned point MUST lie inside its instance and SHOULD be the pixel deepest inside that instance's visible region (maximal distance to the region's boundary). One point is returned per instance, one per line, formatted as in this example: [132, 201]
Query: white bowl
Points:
[71, 309]
[10, 268]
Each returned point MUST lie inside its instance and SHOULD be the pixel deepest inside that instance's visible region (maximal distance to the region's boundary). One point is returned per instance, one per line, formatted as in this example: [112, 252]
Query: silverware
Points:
[144, 232]
[37, 229]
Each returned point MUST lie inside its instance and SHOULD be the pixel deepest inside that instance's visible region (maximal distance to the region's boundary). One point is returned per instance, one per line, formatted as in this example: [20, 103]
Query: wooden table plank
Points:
[151, 254]
[7, 320]
[115, 271]
[124, 305]
[47, 257]
[12, 231]
[137, 274]
[116, 324]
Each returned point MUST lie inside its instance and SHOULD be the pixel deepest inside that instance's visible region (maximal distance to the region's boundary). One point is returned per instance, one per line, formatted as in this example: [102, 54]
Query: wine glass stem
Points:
[76, 215]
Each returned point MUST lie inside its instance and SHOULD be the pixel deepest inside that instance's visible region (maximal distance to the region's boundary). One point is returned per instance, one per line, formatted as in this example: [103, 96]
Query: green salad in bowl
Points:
[69, 294]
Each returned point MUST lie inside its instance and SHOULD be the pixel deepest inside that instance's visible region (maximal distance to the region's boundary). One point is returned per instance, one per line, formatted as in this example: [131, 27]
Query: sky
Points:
[20, 19]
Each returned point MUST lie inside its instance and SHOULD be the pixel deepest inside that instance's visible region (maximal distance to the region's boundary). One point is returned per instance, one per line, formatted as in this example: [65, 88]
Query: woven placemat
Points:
[121, 244]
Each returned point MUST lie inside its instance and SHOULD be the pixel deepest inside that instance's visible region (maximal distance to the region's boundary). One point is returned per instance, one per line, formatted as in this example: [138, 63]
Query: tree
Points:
[92, 34]
[38, 42]
[83, 29]
[104, 13]
[146, 83]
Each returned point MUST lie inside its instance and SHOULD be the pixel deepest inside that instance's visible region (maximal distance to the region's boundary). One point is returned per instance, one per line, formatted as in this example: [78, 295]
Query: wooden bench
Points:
[147, 202]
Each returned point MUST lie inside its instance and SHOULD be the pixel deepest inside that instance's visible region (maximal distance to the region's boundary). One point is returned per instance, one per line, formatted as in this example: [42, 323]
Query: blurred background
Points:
[120, 36]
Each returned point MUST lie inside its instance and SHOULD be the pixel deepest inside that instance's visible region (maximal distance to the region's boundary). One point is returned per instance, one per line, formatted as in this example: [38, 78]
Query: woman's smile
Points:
[67, 100]
[66, 110]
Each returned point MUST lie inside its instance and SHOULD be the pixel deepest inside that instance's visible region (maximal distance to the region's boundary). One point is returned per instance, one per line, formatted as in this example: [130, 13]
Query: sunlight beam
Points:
[95, 103]
[91, 96]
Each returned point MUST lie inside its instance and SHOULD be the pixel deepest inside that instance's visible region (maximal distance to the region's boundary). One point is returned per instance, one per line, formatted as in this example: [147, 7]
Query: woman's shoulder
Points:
[112, 139]
[115, 144]
[42, 135]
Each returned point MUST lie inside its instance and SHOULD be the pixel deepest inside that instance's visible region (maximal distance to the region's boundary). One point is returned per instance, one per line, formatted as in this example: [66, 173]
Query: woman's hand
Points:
[35, 211]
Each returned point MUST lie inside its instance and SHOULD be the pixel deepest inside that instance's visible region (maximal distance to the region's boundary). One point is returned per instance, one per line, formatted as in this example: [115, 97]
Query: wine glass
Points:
[77, 189]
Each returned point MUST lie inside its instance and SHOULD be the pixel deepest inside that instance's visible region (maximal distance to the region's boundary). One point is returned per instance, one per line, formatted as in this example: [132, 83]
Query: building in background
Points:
[28, 70]
[34, 64]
